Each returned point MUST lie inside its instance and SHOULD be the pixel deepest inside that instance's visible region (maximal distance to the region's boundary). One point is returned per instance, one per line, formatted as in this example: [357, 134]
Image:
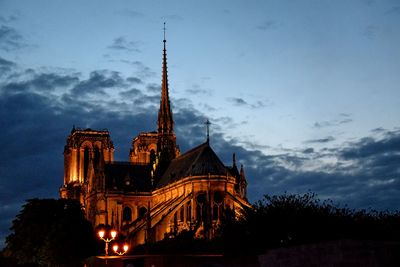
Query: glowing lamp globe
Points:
[113, 234]
[101, 233]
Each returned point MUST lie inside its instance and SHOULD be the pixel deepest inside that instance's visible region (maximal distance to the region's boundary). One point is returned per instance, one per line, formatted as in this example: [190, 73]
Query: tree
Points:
[50, 232]
[285, 220]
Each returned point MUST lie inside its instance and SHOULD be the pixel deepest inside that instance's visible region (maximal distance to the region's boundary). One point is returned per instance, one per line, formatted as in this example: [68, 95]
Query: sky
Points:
[306, 93]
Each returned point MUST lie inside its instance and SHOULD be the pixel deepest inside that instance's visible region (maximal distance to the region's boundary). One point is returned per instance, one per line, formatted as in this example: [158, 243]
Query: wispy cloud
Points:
[267, 25]
[8, 19]
[11, 39]
[395, 10]
[175, 17]
[122, 44]
[370, 31]
[343, 118]
[240, 102]
[131, 13]
[321, 140]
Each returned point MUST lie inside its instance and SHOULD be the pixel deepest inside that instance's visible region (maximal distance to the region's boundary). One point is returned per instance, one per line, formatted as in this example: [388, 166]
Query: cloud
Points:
[131, 13]
[197, 90]
[153, 88]
[122, 44]
[267, 25]
[8, 19]
[395, 10]
[10, 39]
[97, 83]
[321, 140]
[343, 118]
[134, 80]
[143, 71]
[370, 32]
[39, 110]
[175, 17]
[240, 102]
[6, 66]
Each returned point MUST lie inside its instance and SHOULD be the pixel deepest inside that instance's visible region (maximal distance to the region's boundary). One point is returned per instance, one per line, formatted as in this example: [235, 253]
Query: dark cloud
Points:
[8, 19]
[321, 140]
[134, 80]
[6, 66]
[132, 93]
[10, 39]
[240, 102]
[98, 82]
[308, 150]
[153, 88]
[378, 149]
[39, 109]
[122, 44]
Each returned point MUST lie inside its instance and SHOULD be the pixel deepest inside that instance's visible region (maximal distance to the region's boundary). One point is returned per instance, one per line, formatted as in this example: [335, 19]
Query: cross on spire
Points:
[208, 123]
[164, 31]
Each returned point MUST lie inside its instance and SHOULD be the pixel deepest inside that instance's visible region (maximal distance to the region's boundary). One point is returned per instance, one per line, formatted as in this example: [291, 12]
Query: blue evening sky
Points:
[305, 92]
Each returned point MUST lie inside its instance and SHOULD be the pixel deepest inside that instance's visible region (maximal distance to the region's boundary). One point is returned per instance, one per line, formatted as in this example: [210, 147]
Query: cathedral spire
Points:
[165, 120]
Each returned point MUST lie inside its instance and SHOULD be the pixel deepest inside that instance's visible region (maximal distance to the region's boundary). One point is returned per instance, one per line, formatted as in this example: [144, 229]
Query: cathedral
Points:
[159, 192]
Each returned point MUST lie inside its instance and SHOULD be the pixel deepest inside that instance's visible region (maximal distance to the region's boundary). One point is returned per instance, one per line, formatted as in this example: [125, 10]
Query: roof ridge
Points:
[191, 151]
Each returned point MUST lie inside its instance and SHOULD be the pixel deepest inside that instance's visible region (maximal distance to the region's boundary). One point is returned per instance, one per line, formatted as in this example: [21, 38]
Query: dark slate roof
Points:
[201, 160]
[119, 173]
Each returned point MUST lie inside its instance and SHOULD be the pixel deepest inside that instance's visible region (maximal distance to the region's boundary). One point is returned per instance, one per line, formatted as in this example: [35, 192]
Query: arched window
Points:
[96, 159]
[201, 207]
[215, 212]
[218, 197]
[152, 156]
[127, 214]
[189, 213]
[85, 163]
[142, 212]
[182, 214]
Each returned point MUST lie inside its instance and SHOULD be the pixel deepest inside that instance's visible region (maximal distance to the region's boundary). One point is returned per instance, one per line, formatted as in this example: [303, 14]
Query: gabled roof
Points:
[198, 161]
[127, 176]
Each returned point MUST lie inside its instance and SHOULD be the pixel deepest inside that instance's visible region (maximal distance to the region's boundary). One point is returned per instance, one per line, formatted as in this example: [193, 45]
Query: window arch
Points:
[85, 163]
[142, 212]
[127, 214]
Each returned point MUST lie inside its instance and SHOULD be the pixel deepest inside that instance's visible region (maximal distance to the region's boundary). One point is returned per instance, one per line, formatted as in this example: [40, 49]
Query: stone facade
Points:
[158, 192]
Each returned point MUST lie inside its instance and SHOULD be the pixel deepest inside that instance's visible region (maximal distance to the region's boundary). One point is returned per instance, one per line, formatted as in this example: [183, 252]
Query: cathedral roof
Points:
[198, 161]
[127, 177]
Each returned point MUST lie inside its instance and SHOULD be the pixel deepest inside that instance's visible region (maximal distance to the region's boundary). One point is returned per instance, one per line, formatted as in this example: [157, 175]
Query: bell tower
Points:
[84, 157]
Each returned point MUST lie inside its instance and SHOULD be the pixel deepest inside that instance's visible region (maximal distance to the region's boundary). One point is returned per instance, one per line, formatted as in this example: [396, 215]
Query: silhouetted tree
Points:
[285, 220]
[50, 232]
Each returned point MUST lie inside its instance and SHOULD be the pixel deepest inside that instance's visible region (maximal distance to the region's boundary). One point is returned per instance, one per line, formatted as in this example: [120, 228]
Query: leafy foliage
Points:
[49, 232]
[285, 220]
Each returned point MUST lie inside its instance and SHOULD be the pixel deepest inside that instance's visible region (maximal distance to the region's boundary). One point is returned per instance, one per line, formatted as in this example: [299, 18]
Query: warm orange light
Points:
[113, 234]
[115, 248]
[101, 233]
[126, 247]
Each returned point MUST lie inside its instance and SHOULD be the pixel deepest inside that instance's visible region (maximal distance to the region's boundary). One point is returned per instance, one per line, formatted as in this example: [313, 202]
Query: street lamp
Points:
[125, 248]
[107, 240]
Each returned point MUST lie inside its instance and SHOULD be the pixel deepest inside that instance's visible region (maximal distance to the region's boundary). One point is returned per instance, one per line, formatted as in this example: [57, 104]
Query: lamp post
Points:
[120, 253]
[107, 240]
